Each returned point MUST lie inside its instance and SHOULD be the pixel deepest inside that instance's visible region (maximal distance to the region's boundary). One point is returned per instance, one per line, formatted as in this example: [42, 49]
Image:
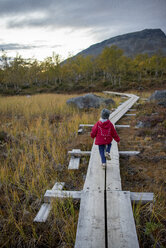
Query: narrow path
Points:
[106, 218]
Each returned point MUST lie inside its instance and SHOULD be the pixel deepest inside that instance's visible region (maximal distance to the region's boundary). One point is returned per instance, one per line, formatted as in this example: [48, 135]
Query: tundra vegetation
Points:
[146, 172]
[37, 131]
[109, 70]
[36, 134]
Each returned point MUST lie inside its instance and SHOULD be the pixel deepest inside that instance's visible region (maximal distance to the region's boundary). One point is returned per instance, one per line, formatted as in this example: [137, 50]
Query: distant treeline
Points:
[110, 70]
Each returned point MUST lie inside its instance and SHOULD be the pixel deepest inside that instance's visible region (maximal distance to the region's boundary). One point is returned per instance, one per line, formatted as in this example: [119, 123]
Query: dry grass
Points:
[36, 133]
[146, 172]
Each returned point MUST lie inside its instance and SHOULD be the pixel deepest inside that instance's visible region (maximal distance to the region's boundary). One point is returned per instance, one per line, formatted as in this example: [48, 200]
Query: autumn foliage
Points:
[109, 70]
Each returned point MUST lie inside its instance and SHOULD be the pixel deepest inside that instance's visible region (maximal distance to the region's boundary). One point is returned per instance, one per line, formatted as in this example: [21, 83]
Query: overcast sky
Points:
[39, 27]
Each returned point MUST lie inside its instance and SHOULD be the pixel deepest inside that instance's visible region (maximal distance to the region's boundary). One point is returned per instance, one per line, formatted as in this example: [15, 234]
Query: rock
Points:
[139, 124]
[159, 96]
[89, 101]
[162, 103]
[142, 124]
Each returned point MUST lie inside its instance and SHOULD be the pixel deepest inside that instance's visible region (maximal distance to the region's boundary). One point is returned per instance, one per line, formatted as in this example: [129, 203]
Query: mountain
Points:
[147, 41]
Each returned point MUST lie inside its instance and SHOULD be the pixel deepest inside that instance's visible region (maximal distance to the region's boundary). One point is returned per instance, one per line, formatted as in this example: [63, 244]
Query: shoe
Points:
[107, 155]
[103, 165]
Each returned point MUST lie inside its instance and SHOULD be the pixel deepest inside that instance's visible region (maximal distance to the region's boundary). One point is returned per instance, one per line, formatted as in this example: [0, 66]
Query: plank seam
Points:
[105, 208]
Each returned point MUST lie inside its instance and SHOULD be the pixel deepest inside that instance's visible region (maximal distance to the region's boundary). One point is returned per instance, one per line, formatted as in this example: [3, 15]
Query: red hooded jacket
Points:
[104, 133]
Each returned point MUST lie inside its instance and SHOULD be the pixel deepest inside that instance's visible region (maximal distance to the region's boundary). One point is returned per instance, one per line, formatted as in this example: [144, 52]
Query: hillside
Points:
[110, 70]
[146, 41]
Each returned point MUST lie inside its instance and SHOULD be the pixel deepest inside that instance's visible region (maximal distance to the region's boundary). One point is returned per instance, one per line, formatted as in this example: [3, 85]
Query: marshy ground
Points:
[147, 171]
[36, 134]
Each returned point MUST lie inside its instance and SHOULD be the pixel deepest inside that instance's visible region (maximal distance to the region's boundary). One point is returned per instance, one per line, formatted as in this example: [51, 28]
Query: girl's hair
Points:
[105, 113]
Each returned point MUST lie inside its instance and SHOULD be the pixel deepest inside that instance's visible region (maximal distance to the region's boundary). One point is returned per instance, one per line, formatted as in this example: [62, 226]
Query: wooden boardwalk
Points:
[106, 217]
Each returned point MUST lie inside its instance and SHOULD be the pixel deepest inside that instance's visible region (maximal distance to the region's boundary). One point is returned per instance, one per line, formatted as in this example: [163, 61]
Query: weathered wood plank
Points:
[52, 194]
[113, 179]
[45, 208]
[117, 93]
[132, 110]
[43, 213]
[80, 131]
[91, 223]
[74, 163]
[117, 126]
[123, 97]
[122, 109]
[121, 226]
[79, 153]
[58, 186]
[128, 153]
[130, 114]
[122, 126]
[142, 197]
[95, 173]
[86, 125]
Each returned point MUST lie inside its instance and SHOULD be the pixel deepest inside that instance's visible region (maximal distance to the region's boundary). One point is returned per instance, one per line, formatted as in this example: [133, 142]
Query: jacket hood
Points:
[105, 124]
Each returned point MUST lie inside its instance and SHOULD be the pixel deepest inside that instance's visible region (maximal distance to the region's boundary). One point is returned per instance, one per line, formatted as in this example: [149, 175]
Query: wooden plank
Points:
[80, 131]
[52, 194]
[45, 208]
[121, 226]
[58, 186]
[86, 125]
[95, 173]
[117, 93]
[128, 153]
[132, 110]
[43, 213]
[122, 126]
[76, 150]
[122, 109]
[78, 153]
[74, 163]
[130, 114]
[113, 179]
[117, 126]
[91, 222]
[141, 197]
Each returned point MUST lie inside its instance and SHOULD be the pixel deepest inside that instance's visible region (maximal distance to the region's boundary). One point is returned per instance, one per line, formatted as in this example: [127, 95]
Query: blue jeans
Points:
[102, 151]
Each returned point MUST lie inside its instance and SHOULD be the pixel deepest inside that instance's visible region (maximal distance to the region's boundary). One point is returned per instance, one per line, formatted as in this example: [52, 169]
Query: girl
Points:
[104, 132]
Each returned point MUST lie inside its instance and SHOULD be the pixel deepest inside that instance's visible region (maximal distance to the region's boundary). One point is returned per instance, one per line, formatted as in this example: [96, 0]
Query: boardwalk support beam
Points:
[45, 208]
[52, 194]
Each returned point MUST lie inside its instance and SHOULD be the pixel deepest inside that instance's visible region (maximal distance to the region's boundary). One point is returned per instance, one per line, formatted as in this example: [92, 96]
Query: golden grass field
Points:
[36, 133]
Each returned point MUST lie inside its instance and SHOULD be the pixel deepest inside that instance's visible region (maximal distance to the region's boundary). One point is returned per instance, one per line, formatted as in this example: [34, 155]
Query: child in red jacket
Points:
[104, 132]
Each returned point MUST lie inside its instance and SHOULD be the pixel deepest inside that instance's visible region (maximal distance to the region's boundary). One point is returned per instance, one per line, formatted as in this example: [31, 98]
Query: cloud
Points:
[12, 7]
[16, 46]
[81, 14]
[99, 19]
